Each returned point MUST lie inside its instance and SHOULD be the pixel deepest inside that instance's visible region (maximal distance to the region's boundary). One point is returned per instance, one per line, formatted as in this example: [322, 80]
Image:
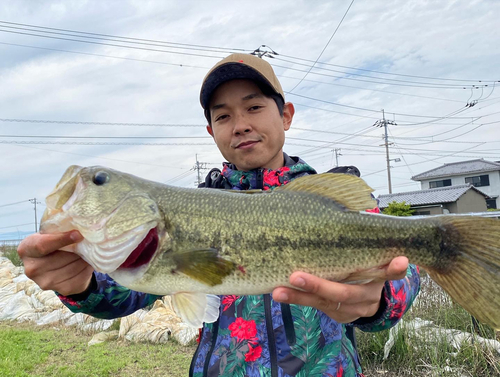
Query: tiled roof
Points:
[439, 195]
[458, 168]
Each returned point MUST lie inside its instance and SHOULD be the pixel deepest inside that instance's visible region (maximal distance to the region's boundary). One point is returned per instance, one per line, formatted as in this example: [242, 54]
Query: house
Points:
[479, 173]
[442, 200]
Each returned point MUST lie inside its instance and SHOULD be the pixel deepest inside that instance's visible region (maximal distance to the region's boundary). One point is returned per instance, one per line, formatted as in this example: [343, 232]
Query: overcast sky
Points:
[424, 62]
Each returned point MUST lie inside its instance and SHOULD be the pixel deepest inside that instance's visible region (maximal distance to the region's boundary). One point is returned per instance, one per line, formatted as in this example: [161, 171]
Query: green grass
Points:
[28, 350]
[31, 351]
[412, 356]
[10, 252]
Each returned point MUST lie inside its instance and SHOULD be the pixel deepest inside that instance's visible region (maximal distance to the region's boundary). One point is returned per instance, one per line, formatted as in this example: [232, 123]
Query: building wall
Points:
[433, 210]
[471, 201]
[492, 190]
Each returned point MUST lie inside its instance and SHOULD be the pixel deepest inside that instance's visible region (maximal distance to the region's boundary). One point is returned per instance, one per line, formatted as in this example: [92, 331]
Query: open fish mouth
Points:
[144, 252]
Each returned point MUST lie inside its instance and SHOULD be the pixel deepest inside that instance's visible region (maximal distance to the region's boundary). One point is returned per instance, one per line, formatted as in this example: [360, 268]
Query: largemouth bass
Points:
[198, 243]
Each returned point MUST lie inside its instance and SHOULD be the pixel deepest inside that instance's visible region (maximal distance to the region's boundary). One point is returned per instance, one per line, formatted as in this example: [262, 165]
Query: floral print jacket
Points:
[255, 336]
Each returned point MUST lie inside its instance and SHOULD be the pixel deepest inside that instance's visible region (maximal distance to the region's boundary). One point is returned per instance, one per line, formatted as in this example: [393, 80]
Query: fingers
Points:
[51, 262]
[39, 245]
[51, 268]
[320, 292]
[396, 270]
[356, 300]
[60, 271]
[344, 313]
[72, 280]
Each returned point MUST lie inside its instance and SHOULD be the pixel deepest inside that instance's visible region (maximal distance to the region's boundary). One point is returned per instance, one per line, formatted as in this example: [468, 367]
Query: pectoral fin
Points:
[196, 308]
[205, 265]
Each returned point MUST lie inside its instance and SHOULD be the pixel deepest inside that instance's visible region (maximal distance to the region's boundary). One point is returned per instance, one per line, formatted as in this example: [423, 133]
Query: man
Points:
[291, 332]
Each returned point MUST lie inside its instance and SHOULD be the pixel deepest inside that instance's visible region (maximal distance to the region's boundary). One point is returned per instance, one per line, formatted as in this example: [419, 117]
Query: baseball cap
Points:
[239, 66]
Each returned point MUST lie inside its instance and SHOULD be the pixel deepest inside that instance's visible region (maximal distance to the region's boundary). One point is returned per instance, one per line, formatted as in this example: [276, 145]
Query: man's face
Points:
[247, 126]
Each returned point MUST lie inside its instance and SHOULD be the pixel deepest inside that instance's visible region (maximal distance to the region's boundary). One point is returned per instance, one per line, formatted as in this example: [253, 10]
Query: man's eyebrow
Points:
[246, 98]
[252, 96]
[216, 107]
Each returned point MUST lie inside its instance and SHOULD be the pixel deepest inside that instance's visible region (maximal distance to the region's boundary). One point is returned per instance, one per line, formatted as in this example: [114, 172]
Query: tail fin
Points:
[474, 279]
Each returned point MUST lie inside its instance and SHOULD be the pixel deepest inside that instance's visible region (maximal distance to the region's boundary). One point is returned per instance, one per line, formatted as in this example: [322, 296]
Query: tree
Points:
[398, 209]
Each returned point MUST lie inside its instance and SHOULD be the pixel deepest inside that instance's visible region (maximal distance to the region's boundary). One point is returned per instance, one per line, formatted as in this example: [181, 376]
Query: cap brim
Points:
[227, 72]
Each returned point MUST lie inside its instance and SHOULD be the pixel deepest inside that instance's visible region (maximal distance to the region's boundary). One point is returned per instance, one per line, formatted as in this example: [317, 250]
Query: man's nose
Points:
[241, 125]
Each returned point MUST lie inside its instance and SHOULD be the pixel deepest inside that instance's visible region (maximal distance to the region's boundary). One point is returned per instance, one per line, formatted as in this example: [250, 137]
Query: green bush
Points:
[398, 209]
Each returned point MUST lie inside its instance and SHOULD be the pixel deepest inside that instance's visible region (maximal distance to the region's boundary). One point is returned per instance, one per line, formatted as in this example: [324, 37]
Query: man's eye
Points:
[220, 117]
[256, 107]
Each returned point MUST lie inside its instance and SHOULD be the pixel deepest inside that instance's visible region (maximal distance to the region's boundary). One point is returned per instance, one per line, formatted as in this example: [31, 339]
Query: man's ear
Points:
[288, 112]
[210, 131]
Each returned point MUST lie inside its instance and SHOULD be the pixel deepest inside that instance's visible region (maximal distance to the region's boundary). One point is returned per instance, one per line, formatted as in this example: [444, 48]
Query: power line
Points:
[232, 49]
[91, 143]
[101, 157]
[372, 90]
[99, 123]
[371, 110]
[11, 204]
[324, 48]
[113, 45]
[423, 85]
[162, 44]
[15, 226]
[206, 68]
[105, 56]
[104, 137]
[388, 79]
[207, 56]
[126, 38]
[417, 138]
[382, 72]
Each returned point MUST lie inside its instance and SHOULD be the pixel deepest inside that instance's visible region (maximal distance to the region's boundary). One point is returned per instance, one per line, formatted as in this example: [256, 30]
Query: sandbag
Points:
[19, 308]
[427, 332]
[103, 337]
[157, 325]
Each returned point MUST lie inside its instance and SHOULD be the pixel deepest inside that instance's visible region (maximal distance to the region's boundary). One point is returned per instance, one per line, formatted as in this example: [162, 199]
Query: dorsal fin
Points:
[348, 190]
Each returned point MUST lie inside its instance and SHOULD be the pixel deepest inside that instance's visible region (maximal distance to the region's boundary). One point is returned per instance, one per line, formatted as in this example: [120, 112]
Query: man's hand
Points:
[54, 269]
[344, 303]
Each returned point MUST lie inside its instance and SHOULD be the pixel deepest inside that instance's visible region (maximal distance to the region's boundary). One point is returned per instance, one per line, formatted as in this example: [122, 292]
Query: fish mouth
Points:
[144, 252]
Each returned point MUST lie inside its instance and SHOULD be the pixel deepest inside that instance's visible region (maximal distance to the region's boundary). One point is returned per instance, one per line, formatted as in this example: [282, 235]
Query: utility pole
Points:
[384, 123]
[36, 220]
[337, 154]
[199, 166]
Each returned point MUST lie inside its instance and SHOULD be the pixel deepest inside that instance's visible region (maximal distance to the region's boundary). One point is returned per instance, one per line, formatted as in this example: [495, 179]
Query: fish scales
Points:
[263, 233]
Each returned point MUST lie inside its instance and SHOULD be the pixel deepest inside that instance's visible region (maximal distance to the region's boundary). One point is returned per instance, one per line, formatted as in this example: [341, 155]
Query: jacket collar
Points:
[266, 178]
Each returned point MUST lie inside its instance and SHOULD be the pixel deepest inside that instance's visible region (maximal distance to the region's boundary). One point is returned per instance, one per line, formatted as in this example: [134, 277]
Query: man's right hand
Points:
[52, 268]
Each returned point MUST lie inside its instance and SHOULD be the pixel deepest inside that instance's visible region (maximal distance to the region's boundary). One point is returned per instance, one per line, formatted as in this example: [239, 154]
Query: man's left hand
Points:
[344, 303]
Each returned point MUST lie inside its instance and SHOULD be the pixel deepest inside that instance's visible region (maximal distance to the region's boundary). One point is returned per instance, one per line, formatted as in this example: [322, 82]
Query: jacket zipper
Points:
[270, 336]
[260, 179]
[193, 360]
[286, 313]
[348, 351]
[212, 347]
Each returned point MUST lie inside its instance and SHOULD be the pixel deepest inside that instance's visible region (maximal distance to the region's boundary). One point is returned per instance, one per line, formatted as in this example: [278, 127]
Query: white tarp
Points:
[21, 300]
[157, 325]
[427, 332]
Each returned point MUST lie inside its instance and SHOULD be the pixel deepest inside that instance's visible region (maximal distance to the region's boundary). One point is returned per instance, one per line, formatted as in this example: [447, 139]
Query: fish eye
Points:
[100, 178]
